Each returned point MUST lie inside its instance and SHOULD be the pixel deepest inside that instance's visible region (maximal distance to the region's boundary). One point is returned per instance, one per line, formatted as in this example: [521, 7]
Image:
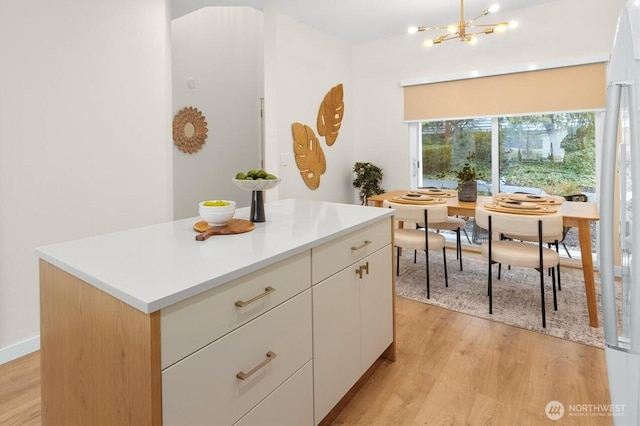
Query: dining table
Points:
[574, 214]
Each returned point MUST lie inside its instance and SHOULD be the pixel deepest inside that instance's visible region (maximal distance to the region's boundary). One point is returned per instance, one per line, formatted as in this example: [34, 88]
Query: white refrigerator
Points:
[621, 163]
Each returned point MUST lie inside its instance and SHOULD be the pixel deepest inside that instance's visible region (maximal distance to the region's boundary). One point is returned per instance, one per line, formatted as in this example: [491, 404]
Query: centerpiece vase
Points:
[468, 191]
[257, 207]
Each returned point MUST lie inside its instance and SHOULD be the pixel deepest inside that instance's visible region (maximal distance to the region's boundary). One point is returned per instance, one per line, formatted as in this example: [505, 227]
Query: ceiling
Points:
[358, 21]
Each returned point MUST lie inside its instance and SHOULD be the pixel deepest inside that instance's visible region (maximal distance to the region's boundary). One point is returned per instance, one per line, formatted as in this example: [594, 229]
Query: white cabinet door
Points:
[336, 339]
[352, 326]
[376, 306]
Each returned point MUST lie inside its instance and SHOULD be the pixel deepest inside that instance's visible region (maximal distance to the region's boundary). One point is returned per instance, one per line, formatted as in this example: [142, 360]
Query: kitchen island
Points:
[150, 326]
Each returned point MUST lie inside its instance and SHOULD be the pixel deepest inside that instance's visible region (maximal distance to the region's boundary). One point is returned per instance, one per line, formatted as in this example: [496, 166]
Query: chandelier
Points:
[466, 30]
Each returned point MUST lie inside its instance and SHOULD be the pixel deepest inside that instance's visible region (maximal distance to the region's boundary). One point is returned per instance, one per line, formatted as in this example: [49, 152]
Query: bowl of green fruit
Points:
[217, 212]
[256, 181]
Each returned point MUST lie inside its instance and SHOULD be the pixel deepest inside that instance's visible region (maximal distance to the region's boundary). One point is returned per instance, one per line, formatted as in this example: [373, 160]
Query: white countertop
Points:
[155, 266]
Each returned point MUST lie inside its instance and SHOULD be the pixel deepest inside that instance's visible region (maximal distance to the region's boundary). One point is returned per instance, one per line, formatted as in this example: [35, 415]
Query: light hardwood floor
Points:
[451, 369]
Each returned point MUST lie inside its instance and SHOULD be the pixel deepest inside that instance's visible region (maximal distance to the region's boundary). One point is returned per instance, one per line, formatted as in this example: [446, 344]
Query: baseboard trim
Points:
[19, 350]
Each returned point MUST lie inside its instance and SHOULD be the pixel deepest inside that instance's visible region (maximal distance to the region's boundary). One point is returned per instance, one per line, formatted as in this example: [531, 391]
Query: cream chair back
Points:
[415, 213]
[523, 225]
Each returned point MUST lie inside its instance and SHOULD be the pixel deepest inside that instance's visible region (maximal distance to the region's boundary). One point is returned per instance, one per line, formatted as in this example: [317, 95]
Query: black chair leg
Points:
[489, 290]
[444, 261]
[555, 297]
[459, 247]
[397, 261]
[426, 265]
[499, 269]
[544, 320]
[559, 283]
[415, 256]
[466, 235]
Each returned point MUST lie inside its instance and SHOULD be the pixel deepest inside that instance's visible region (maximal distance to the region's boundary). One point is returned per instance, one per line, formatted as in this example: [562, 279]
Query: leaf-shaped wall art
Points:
[330, 114]
[308, 154]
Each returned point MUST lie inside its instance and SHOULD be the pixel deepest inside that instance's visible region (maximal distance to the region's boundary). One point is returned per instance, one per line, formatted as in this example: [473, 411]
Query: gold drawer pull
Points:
[242, 303]
[366, 243]
[244, 376]
[359, 272]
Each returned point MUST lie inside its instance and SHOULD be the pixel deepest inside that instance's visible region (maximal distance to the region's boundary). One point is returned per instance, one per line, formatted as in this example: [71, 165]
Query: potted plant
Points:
[467, 178]
[367, 180]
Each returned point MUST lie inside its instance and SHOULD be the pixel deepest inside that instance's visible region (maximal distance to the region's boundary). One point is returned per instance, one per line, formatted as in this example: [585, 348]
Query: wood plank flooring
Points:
[455, 369]
[451, 369]
[20, 391]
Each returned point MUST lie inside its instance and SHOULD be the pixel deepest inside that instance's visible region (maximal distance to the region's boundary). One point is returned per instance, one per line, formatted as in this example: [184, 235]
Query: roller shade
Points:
[580, 87]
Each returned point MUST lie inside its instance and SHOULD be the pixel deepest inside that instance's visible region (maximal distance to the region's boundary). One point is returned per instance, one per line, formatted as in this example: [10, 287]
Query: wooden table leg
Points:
[584, 235]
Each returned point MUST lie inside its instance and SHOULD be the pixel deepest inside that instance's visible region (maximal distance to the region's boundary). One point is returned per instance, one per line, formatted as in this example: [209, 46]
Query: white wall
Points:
[85, 144]
[221, 50]
[301, 66]
[547, 32]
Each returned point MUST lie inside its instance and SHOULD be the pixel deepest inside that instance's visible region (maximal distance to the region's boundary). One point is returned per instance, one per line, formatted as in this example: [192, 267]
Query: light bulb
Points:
[472, 40]
[428, 43]
[452, 29]
[513, 24]
[412, 30]
[500, 28]
[494, 8]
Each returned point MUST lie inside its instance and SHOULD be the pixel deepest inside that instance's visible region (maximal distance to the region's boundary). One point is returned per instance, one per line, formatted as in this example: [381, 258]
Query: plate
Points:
[416, 197]
[520, 205]
[528, 197]
[434, 191]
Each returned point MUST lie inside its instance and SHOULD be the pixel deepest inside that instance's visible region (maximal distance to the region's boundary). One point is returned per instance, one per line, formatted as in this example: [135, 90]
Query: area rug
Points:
[516, 296]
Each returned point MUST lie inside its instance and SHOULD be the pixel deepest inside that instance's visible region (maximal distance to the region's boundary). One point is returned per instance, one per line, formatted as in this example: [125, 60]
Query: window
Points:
[543, 154]
[447, 145]
[551, 153]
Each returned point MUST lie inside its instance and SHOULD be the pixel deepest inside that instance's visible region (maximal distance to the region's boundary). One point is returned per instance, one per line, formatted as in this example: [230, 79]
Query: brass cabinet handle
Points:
[244, 376]
[361, 268]
[366, 243]
[242, 303]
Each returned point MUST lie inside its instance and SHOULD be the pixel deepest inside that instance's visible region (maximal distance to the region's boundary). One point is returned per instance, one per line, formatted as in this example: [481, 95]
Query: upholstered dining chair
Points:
[413, 238]
[550, 240]
[521, 253]
[455, 224]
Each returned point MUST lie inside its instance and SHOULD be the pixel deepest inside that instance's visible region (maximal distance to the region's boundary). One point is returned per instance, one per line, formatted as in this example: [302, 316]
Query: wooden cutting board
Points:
[234, 226]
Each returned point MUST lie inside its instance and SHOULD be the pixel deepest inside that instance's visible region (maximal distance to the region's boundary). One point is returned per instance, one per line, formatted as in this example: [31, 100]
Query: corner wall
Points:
[85, 145]
[301, 66]
[220, 51]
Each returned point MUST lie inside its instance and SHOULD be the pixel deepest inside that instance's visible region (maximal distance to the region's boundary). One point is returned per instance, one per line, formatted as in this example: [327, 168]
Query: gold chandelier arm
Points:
[442, 27]
[488, 25]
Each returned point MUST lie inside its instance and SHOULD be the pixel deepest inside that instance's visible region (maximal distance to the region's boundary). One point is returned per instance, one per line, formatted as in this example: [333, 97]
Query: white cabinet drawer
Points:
[289, 405]
[204, 388]
[335, 255]
[195, 322]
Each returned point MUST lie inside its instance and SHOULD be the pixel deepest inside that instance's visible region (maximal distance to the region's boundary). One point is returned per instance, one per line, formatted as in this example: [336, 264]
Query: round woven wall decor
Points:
[189, 130]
